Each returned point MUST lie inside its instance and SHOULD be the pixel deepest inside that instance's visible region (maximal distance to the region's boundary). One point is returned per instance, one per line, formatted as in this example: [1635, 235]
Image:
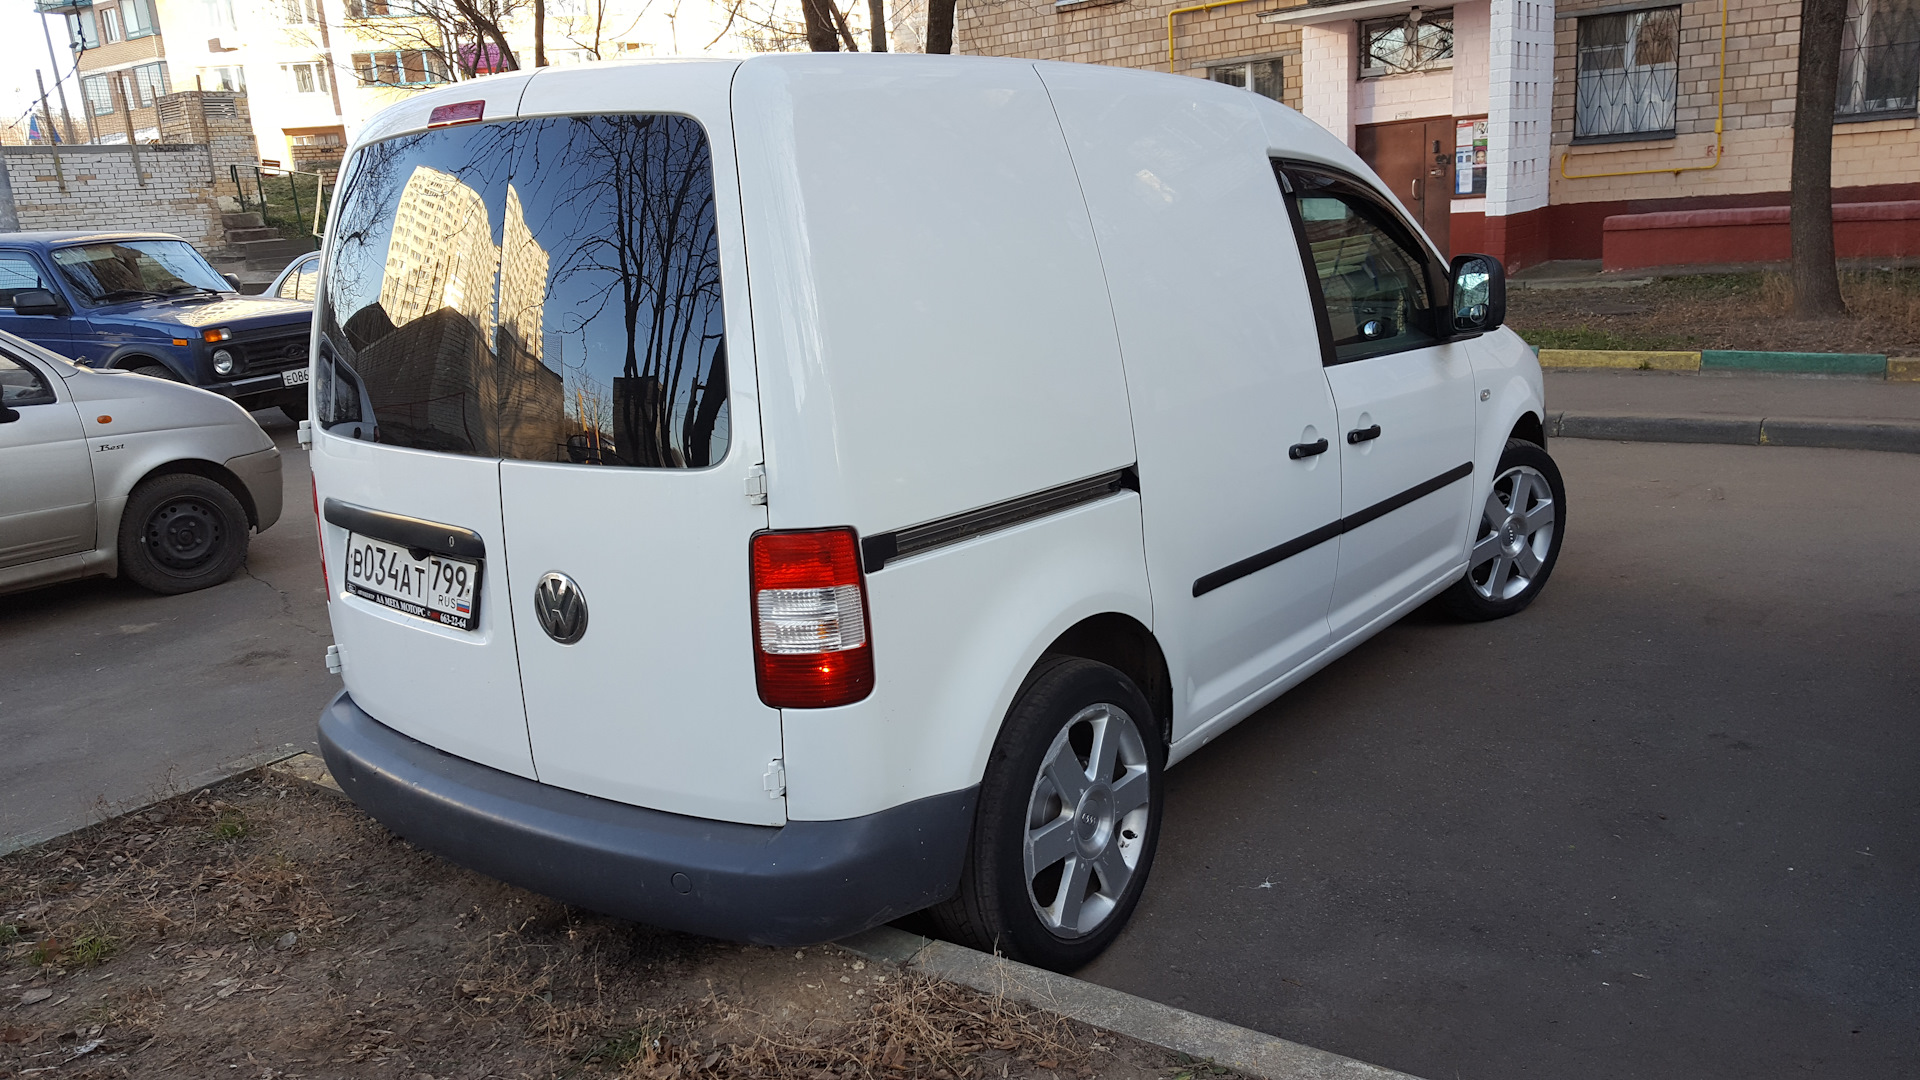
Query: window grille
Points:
[1879, 59]
[1629, 73]
[1417, 41]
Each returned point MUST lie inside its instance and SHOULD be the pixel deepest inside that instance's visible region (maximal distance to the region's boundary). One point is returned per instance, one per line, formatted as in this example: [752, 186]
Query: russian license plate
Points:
[426, 586]
[294, 377]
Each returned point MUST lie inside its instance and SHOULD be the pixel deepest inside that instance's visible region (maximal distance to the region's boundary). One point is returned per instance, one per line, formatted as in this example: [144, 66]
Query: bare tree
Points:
[1816, 276]
[940, 25]
[822, 33]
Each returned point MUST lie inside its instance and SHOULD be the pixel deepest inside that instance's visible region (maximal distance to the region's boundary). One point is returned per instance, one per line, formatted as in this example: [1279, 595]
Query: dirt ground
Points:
[1723, 311]
[267, 929]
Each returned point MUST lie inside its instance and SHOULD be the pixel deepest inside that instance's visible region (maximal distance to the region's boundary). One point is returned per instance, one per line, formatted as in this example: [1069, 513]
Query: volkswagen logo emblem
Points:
[561, 607]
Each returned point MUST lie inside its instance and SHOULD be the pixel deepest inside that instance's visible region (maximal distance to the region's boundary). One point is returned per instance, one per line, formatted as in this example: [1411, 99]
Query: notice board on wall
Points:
[1470, 158]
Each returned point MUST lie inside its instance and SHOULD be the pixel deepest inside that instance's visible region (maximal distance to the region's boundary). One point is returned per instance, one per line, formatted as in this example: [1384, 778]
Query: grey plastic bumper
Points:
[799, 884]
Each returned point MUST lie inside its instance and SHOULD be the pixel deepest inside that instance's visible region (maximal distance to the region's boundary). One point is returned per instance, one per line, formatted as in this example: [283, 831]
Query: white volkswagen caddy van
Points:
[769, 498]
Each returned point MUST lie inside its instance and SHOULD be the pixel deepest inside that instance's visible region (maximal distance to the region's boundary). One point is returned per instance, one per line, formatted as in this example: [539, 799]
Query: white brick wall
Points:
[1329, 62]
[1519, 105]
[1403, 97]
[103, 193]
[1470, 29]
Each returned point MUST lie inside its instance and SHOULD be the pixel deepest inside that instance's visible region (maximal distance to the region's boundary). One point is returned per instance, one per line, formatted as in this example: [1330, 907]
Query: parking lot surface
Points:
[1662, 824]
[110, 694]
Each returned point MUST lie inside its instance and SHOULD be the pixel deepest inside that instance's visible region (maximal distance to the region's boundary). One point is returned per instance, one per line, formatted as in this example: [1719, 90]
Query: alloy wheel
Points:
[1087, 820]
[1516, 534]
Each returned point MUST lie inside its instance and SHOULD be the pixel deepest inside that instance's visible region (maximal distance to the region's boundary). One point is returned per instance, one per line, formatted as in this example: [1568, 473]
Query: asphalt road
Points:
[110, 694]
[1662, 824]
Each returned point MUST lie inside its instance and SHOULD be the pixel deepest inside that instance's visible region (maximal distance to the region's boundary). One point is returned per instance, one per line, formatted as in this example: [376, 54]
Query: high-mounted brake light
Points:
[463, 112]
[810, 642]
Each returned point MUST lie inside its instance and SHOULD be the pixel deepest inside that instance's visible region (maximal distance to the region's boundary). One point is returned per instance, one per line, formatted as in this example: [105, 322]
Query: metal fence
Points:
[291, 203]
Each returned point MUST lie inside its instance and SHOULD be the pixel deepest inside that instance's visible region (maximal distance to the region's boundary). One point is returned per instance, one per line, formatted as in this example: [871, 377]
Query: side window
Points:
[17, 272]
[299, 284]
[1373, 276]
[22, 385]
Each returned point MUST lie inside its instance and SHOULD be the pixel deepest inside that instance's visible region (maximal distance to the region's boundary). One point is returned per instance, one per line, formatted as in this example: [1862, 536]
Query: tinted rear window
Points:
[547, 290]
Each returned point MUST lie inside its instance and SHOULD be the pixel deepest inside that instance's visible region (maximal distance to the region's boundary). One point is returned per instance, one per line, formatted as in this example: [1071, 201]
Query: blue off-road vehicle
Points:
[148, 302]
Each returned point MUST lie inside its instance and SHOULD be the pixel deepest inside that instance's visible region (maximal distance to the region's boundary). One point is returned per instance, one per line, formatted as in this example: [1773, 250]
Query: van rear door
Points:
[628, 551]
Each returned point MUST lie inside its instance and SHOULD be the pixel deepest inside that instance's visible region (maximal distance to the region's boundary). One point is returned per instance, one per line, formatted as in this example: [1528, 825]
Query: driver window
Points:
[17, 272]
[299, 284]
[22, 385]
[1373, 277]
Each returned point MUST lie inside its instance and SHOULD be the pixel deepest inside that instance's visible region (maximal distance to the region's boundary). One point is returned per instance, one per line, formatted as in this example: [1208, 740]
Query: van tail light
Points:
[320, 526]
[810, 642]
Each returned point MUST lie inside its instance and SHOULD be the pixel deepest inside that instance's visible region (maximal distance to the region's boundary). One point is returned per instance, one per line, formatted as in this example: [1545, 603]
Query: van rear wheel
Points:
[1068, 819]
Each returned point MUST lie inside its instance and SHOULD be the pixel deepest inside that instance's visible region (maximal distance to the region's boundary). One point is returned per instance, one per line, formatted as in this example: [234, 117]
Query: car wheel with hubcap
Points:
[1518, 539]
[1068, 818]
[182, 532]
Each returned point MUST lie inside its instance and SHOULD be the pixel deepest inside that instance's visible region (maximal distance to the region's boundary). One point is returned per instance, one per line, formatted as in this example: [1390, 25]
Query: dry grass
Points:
[266, 929]
[1724, 311]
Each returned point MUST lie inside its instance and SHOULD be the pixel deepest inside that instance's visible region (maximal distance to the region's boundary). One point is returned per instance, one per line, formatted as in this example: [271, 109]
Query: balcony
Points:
[61, 7]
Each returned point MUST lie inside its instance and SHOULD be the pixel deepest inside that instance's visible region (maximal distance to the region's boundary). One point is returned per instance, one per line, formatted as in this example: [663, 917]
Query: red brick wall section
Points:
[1468, 234]
[1518, 240]
[1576, 228]
[1754, 234]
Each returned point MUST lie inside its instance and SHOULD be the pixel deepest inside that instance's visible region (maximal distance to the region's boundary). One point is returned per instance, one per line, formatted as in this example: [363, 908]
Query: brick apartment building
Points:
[1649, 132]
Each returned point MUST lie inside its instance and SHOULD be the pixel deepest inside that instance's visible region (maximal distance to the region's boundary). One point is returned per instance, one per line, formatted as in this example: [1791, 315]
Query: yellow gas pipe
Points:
[1185, 10]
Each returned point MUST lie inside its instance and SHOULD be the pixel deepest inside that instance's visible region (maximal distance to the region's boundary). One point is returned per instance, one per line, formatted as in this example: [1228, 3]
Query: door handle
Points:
[1363, 434]
[1307, 449]
[1413, 189]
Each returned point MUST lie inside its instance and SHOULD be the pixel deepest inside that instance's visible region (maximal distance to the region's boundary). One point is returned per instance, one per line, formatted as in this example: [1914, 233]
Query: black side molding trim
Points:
[878, 550]
[407, 531]
[1234, 572]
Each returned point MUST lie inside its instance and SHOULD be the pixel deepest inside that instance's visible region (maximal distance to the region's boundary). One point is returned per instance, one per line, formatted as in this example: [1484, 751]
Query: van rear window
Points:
[546, 290]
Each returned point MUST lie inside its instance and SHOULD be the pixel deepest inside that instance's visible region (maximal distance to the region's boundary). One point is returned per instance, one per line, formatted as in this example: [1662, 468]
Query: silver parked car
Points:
[108, 472]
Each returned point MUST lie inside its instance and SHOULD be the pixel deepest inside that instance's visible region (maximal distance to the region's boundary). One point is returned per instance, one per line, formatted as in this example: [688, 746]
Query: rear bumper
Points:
[798, 884]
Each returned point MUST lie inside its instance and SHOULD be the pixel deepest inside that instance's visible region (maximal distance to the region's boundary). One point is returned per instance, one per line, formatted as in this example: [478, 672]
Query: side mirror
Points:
[1479, 294]
[233, 280]
[35, 302]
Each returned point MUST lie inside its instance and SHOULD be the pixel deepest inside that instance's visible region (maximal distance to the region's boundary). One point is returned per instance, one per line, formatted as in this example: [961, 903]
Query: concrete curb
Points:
[1245, 1051]
[1867, 365]
[205, 779]
[1898, 437]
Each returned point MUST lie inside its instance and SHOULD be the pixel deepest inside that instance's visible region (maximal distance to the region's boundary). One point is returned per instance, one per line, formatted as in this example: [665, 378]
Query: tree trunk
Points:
[1816, 277]
[940, 26]
[539, 33]
[877, 14]
[822, 34]
[840, 20]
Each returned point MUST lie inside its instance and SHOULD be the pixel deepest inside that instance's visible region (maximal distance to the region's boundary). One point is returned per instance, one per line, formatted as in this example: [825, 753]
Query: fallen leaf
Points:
[35, 997]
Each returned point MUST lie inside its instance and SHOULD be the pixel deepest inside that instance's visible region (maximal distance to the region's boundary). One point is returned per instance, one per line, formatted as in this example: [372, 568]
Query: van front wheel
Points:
[1068, 818]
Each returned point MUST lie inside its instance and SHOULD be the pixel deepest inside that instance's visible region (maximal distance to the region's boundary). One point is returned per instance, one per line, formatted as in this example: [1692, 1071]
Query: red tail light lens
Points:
[320, 526]
[810, 642]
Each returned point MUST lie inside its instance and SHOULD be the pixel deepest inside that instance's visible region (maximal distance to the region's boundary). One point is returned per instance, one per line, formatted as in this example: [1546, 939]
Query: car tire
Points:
[1514, 547]
[181, 532]
[1048, 817]
[156, 371]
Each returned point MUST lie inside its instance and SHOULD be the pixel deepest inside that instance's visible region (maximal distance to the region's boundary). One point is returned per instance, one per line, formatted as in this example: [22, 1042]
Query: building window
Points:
[109, 19]
[232, 80]
[407, 67]
[81, 33]
[374, 9]
[99, 94]
[220, 15]
[136, 19]
[1879, 59]
[308, 78]
[1417, 41]
[1263, 77]
[150, 84]
[300, 12]
[1629, 74]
